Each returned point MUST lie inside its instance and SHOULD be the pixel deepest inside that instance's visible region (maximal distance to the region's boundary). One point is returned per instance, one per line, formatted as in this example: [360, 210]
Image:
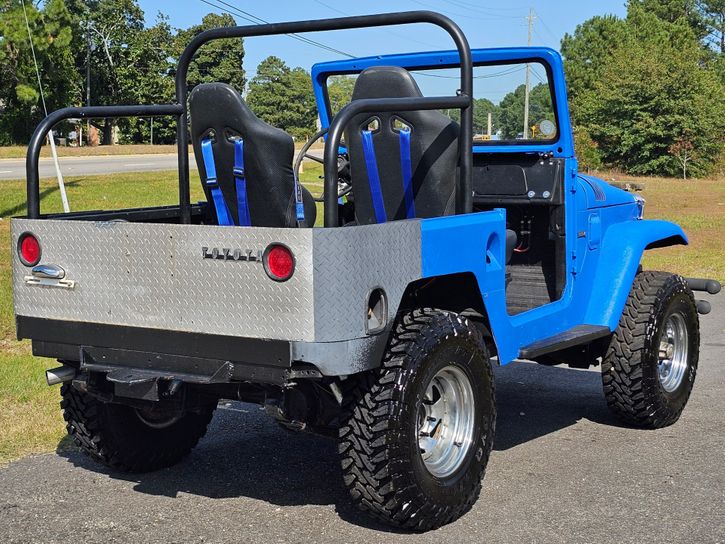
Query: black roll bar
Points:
[88, 112]
[462, 101]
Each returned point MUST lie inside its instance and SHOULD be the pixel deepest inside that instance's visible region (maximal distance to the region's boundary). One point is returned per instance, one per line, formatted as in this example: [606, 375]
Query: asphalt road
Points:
[87, 166]
[106, 164]
[562, 470]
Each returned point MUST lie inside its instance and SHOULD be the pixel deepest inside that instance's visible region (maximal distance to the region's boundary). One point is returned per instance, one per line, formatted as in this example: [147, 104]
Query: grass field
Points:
[30, 418]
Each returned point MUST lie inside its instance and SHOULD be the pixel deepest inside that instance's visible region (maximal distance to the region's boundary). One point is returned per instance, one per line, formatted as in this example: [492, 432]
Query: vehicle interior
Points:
[394, 163]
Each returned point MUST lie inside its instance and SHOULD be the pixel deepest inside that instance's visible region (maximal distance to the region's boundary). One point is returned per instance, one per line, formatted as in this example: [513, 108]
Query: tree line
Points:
[646, 91]
[99, 52]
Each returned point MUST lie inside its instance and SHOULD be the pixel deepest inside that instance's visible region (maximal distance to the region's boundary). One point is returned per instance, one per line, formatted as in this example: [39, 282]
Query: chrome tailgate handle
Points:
[48, 271]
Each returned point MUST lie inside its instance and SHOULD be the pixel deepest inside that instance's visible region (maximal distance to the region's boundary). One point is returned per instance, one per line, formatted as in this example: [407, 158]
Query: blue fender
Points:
[621, 252]
[475, 243]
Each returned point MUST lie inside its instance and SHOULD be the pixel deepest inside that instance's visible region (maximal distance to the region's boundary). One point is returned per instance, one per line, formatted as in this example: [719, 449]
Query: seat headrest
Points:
[212, 105]
[385, 82]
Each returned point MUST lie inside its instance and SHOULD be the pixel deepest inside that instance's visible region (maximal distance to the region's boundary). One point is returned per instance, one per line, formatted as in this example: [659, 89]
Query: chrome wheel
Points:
[446, 421]
[157, 419]
[672, 359]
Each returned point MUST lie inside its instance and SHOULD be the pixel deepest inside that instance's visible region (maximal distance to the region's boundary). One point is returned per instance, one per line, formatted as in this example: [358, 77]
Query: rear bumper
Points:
[194, 357]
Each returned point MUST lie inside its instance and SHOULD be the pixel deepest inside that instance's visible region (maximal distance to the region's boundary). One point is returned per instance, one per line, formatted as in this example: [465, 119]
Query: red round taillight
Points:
[279, 262]
[29, 249]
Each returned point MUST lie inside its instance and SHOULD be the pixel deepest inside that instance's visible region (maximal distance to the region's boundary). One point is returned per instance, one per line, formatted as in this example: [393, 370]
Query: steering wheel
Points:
[344, 185]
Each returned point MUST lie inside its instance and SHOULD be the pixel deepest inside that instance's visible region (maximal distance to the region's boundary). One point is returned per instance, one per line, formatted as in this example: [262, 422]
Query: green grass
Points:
[698, 206]
[30, 418]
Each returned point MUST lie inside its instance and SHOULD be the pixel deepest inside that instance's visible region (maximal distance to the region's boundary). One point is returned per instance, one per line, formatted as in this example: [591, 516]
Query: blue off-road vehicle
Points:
[452, 239]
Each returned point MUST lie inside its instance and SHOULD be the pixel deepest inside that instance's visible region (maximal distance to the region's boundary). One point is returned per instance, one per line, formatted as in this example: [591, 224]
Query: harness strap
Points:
[240, 180]
[299, 203]
[224, 218]
[406, 170]
[373, 177]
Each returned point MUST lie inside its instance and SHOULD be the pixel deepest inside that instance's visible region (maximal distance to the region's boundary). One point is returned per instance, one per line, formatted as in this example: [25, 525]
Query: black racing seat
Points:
[433, 150]
[218, 112]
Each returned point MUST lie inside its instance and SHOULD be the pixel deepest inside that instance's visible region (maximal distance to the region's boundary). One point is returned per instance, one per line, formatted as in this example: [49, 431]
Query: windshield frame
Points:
[560, 145]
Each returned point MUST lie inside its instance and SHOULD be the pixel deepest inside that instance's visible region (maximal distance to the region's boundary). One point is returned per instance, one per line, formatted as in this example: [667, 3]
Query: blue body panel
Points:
[605, 237]
[598, 280]
[600, 193]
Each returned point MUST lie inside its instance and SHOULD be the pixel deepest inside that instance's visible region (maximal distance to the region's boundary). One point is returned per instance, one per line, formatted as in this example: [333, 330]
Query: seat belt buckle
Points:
[238, 172]
[212, 182]
[300, 211]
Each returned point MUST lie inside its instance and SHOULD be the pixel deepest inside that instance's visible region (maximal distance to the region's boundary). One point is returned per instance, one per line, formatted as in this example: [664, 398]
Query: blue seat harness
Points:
[371, 165]
[224, 216]
[241, 183]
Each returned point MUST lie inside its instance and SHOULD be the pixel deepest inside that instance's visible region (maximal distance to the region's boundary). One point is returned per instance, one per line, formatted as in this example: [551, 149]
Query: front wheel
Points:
[417, 432]
[649, 368]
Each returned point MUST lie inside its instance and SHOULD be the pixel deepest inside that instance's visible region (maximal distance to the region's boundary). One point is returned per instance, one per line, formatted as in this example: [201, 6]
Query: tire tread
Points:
[376, 476]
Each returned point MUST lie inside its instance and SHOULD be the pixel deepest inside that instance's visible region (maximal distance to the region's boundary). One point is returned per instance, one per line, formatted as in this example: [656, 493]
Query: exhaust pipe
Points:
[61, 374]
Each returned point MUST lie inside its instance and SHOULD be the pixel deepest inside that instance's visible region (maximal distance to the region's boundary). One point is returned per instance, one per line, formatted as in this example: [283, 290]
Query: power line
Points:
[489, 12]
[35, 60]
[546, 27]
[464, 15]
[251, 18]
[476, 6]
[387, 31]
[61, 184]
[538, 35]
[537, 76]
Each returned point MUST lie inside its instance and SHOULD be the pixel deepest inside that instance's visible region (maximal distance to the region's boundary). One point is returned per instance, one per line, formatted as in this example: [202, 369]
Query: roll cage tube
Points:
[462, 101]
[88, 112]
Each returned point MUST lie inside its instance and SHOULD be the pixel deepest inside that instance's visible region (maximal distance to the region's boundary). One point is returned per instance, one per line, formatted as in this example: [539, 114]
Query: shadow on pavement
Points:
[246, 454]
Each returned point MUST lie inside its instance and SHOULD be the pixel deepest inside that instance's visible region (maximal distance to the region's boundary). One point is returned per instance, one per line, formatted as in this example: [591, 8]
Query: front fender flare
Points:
[621, 252]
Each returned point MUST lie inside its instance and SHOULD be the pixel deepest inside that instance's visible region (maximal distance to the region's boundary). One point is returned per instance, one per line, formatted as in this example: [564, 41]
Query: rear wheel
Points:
[417, 433]
[649, 368]
[131, 439]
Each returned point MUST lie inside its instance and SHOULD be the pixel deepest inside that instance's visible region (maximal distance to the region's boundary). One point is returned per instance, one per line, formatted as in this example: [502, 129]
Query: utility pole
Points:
[489, 125]
[88, 80]
[530, 19]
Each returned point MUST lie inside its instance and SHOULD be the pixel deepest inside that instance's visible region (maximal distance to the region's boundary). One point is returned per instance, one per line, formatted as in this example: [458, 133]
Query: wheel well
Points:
[674, 240]
[453, 292]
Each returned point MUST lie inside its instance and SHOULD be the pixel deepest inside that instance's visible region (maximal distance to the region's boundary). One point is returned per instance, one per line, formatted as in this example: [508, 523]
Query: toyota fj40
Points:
[440, 253]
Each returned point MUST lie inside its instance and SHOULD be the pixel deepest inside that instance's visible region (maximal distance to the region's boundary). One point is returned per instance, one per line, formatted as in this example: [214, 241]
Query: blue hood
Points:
[600, 193]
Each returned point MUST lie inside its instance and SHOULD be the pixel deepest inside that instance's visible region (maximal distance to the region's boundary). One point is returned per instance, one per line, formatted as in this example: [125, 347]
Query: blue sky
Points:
[486, 24]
